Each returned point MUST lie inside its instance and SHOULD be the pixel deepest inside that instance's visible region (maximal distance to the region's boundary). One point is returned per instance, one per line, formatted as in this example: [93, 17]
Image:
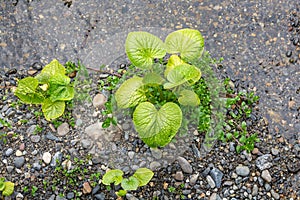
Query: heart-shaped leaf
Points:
[113, 176]
[142, 47]
[188, 98]
[9, 188]
[53, 110]
[26, 91]
[54, 67]
[157, 127]
[129, 93]
[131, 183]
[59, 89]
[183, 73]
[153, 78]
[144, 175]
[188, 42]
[173, 61]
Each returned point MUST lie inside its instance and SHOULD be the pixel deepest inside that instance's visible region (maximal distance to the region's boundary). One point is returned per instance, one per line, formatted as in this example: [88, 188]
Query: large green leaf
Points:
[157, 127]
[142, 48]
[129, 93]
[183, 73]
[153, 78]
[59, 88]
[9, 188]
[173, 61]
[188, 42]
[53, 110]
[188, 98]
[144, 175]
[113, 176]
[26, 91]
[131, 183]
[53, 68]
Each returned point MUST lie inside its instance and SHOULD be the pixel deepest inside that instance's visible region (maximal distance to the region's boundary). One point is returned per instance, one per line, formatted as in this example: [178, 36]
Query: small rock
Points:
[274, 151]
[267, 187]
[70, 195]
[9, 168]
[86, 143]
[179, 176]
[99, 100]
[185, 165]
[50, 136]
[196, 151]
[32, 72]
[9, 151]
[35, 138]
[156, 153]
[255, 190]
[46, 157]
[155, 165]
[228, 183]
[131, 197]
[31, 130]
[275, 194]
[131, 154]
[19, 161]
[214, 196]
[265, 174]
[255, 151]
[63, 129]
[22, 147]
[217, 176]
[193, 179]
[210, 181]
[19, 196]
[264, 162]
[19, 153]
[86, 188]
[56, 159]
[95, 189]
[36, 166]
[242, 170]
[100, 196]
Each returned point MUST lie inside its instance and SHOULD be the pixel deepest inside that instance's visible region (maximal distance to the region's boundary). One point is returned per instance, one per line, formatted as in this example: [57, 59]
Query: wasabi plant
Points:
[140, 178]
[50, 89]
[161, 91]
[6, 187]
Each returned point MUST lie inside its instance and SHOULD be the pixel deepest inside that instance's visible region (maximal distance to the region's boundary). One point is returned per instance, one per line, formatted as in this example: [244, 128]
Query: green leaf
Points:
[113, 176]
[121, 193]
[157, 128]
[173, 61]
[181, 74]
[153, 78]
[129, 93]
[188, 42]
[59, 89]
[131, 183]
[2, 186]
[188, 98]
[53, 68]
[9, 188]
[142, 48]
[53, 110]
[26, 91]
[143, 175]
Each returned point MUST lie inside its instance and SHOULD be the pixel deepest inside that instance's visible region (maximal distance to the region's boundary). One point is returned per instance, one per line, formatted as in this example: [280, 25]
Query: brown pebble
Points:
[86, 188]
[281, 140]
[22, 147]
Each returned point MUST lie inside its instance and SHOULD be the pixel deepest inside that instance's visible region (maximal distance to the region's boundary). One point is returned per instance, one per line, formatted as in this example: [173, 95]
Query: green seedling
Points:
[6, 187]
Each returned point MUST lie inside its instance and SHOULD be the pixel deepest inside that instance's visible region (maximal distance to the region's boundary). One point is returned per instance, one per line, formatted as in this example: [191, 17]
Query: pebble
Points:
[85, 143]
[19, 153]
[9, 168]
[217, 176]
[131, 154]
[242, 170]
[19, 161]
[193, 179]
[99, 100]
[179, 176]
[265, 174]
[56, 159]
[86, 188]
[214, 196]
[210, 181]
[9, 151]
[46, 157]
[155, 165]
[131, 197]
[274, 151]
[63, 129]
[264, 162]
[185, 165]
[35, 138]
[70, 195]
[50, 136]
[95, 189]
[36, 166]
[275, 194]
[156, 153]
[19, 196]
[100, 196]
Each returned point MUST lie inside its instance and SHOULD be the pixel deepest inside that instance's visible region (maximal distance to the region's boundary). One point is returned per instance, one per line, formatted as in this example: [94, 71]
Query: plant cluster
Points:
[161, 92]
[51, 89]
[6, 187]
[140, 178]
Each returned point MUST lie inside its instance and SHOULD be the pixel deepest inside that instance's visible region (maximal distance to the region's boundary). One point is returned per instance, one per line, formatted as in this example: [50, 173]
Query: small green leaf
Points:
[188, 42]
[143, 175]
[142, 48]
[131, 183]
[243, 139]
[188, 98]
[9, 188]
[53, 110]
[113, 176]
[121, 193]
[157, 128]
[129, 93]
[53, 68]
[2, 186]
[173, 61]
[153, 78]
[26, 91]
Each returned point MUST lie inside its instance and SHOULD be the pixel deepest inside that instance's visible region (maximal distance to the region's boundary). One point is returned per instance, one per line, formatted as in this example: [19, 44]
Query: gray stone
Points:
[19, 161]
[35, 138]
[85, 143]
[196, 151]
[95, 131]
[255, 190]
[31, 130]
[50, 136]
[19, 196]
[275, 151]
[155, 165]
[179, 176]
[56, 159]
[275, 194]
[156, 153]
[70, 195]
[63, 129]
[9, 168]
[46, 157]
[242, 170]
[193, 179]
[99, 100]
[100, 196]
[210, 181]
[131, 197]
[214, 196]
[266, 176]
[217, 176]
[9, 151]
[131, 154]
[264, 162]
[95, 189]
[267, 187]
[185, 165]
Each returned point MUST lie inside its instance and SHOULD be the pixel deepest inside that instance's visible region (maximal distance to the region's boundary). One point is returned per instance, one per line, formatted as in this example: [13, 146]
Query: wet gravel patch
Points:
[260, 54]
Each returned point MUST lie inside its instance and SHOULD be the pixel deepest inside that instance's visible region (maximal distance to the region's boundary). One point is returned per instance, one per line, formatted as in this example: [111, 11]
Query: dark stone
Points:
[217, 176]
[100, 196]
[95, 189]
